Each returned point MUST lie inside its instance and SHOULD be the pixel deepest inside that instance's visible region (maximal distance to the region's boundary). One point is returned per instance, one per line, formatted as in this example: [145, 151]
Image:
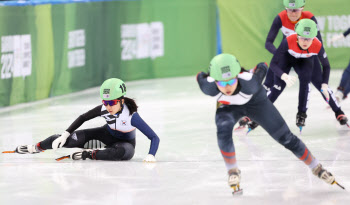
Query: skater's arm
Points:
[138, 122]
[279, 56]
[207, 84]
[347, 32]
[276, 25]
[84, 117]
[322, 56]
[260, 71]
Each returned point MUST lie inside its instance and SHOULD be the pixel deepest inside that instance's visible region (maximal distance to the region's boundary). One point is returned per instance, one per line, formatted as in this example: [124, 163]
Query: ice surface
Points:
[190, 169]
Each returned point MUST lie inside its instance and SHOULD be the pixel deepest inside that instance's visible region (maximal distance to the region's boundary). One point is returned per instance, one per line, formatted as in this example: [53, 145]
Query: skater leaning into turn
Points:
[344, 86]
[118, 134]
[301, 51]
[241, 94]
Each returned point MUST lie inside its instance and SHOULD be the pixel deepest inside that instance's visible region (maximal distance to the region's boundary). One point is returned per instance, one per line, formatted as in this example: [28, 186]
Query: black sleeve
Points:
[322, 56]
[260, 71]
[318, 32]
[279, 56]
[275, 27]
[84, 117]
[208, 88]
[346, 32]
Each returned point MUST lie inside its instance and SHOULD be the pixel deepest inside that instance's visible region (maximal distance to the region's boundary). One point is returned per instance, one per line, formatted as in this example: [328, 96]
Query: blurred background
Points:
[51, 48]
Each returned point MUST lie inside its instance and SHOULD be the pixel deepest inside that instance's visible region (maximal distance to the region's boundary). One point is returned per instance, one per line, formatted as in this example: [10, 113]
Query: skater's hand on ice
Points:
[60, 141]
[290, 80]
[149, 158]
[324, 90]
[337, 37]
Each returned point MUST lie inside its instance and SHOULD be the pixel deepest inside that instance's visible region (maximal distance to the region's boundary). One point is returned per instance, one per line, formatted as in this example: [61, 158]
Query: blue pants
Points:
[308, 70]
[345, 81]
[262, 111]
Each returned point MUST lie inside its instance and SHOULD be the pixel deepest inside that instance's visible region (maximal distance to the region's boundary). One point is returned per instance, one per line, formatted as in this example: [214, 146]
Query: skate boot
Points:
[234, 178]
[242, 122]
[252, 125]
[323, 174]
[85, 154]
[341, 117]
[27, 149]
[301, 117]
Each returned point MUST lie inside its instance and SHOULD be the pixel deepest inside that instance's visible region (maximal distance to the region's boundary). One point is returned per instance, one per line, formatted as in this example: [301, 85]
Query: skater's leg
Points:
[77, 138]
[344, 86]
[304, 69]
[225, 120]
[122, 150]
[270, 119]
[345, 79]
[278, 83]
[277, 89]
[119, 151]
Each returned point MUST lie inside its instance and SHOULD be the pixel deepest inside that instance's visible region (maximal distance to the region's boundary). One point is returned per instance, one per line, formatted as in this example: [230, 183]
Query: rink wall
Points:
[245, 25]
[50, 49]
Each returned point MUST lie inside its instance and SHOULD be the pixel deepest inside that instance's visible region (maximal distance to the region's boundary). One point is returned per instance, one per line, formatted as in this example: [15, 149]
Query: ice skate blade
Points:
[338, 185]
[237, 192]
[249, 130]
[9, 152]
[63, 157]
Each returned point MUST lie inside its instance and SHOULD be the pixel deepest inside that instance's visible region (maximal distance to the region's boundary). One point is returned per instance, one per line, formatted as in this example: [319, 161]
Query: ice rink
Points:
[189, 168]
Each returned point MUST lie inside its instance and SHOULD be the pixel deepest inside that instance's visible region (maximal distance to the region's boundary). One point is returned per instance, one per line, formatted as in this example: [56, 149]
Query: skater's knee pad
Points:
[224, 121]
[289, 141]
[121, 151]
[129, 150]
[224, 124]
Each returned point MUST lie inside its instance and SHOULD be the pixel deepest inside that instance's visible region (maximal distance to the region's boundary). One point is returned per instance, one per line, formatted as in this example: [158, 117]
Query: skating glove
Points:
[337, 37]
[60, 141]
[324, 90]
[149, 158]
[290, 80]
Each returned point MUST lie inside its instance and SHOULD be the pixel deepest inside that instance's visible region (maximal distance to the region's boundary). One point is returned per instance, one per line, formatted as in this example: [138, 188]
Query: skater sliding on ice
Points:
[241, 94]
[118, 134]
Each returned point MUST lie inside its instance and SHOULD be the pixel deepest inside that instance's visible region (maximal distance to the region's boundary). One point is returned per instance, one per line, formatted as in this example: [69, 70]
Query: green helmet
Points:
[306, 28]
[293, 4]
[224, 67]
[112, 89]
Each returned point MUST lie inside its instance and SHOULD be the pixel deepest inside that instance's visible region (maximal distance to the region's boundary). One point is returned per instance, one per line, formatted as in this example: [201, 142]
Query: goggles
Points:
[110, 102]
[294, 10]
[305, 39]
[224, 83]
